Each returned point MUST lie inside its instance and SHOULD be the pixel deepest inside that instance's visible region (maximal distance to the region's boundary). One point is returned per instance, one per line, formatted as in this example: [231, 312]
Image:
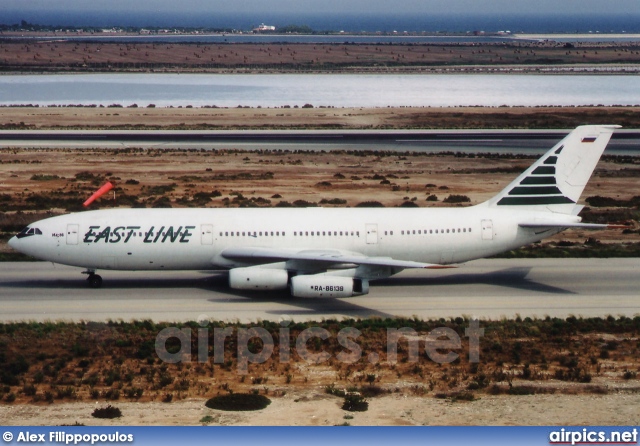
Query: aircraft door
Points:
[487, 230]
[72, 234]
[206, 234]
[372, 233]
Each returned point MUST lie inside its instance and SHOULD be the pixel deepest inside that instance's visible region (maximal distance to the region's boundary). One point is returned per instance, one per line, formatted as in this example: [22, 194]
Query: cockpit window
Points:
[28, 232]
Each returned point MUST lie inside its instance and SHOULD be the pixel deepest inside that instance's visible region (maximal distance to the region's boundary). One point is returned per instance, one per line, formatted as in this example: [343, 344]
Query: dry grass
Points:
[55, 362]
[80, 56]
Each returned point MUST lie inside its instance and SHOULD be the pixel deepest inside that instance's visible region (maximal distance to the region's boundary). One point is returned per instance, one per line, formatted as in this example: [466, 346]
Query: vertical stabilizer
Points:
[556, 181]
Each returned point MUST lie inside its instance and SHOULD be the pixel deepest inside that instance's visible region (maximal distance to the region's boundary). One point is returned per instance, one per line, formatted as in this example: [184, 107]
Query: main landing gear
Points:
[95, 281]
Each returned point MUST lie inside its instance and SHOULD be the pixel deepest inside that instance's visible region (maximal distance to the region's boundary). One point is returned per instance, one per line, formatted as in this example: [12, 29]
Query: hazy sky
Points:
[561, 7]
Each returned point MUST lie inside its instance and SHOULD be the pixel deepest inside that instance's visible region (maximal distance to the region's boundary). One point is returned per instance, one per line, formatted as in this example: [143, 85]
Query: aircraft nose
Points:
[13, 242]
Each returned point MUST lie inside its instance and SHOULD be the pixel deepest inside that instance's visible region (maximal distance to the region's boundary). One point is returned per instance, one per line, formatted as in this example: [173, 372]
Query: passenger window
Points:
[391, 232]
[227, 234]
[402, 232]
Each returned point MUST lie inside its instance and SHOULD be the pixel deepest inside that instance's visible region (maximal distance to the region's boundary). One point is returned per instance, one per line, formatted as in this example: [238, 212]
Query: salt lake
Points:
[337, 90]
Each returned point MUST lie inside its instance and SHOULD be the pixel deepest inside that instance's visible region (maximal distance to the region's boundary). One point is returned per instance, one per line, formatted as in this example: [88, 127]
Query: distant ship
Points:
[263, 28]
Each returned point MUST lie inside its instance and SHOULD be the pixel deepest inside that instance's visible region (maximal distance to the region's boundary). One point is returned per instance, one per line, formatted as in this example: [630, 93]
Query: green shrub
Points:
[109, 412]
[44, 177]
[354, 402]
[238, 402]
[457, 199]
[304, 204]
[522, 390]
[332, 390]
[206, 419]
[333, 201]
[370, 204]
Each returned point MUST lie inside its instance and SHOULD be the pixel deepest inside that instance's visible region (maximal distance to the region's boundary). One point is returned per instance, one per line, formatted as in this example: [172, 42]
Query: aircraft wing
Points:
[325, 256]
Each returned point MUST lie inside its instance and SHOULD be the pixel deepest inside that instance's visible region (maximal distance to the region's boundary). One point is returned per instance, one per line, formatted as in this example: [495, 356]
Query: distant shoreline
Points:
[593, 36]
[422, 37]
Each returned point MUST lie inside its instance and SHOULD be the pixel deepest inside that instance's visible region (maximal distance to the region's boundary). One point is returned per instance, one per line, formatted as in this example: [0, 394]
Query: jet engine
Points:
[256, 278]
[324, 285]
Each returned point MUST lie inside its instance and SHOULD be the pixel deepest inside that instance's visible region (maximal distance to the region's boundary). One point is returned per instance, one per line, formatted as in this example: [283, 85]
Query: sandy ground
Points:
[313, 118]
[319, 409]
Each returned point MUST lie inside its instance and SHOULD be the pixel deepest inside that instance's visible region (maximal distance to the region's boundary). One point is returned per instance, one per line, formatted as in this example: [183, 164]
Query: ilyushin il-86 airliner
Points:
[318, 252]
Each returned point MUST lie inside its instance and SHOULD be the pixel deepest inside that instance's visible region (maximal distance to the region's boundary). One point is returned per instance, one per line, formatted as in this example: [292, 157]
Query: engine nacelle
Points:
[256, 278]
[323, 285]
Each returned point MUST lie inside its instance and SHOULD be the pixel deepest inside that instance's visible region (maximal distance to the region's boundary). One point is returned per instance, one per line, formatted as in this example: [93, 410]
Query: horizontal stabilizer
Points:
[560, 224]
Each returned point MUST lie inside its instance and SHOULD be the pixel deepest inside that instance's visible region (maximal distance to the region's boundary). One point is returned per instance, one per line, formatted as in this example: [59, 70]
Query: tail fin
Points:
[556, 181]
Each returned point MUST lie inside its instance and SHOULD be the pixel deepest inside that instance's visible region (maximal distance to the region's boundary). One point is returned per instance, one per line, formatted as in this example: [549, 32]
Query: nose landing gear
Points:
[95, 281]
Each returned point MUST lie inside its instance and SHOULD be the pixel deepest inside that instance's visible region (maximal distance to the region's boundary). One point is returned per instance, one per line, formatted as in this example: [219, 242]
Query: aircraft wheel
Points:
[95, 281]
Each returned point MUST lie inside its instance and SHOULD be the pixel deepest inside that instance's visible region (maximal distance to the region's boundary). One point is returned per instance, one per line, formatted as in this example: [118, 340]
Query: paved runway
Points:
[623, 142]
[484, 288]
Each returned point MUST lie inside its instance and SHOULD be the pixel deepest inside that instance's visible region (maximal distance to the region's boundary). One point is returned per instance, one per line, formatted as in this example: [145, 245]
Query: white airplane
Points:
[320, 252]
